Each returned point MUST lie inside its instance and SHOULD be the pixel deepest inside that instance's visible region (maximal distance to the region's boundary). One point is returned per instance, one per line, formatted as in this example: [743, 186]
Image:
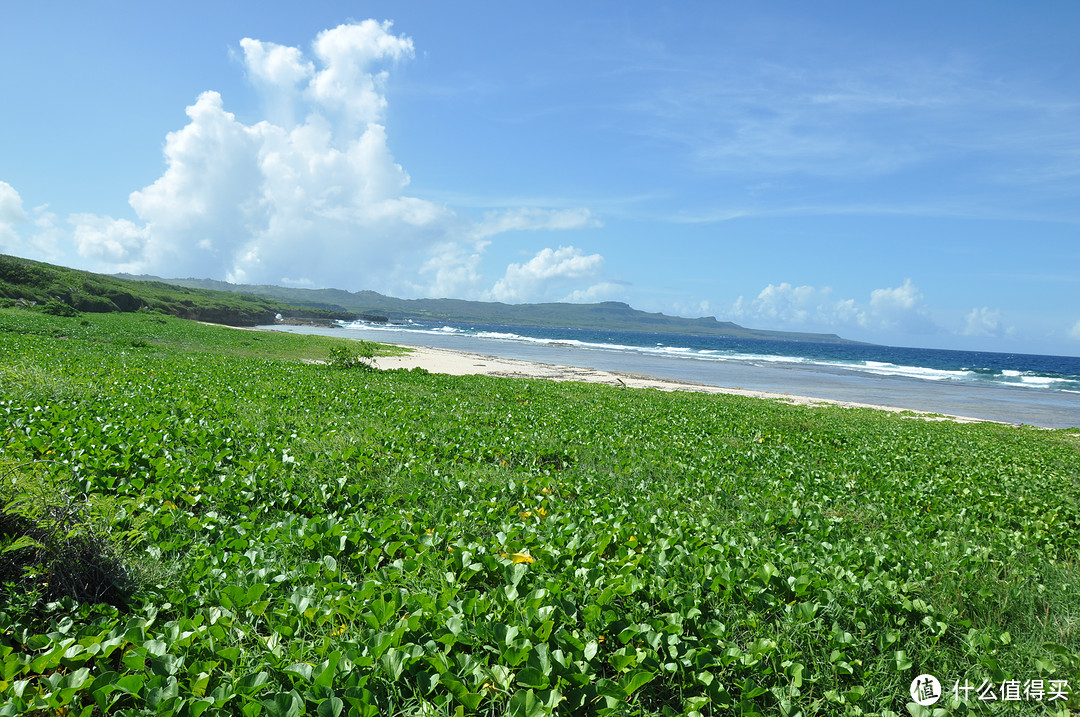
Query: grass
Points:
[303, 540]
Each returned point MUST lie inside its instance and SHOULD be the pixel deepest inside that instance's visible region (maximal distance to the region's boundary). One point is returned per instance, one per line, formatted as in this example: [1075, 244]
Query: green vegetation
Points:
[278, 537]
[67, 292]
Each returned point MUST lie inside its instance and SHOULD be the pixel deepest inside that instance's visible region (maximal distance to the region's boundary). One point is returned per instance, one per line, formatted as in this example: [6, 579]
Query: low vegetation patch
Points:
[300, 540]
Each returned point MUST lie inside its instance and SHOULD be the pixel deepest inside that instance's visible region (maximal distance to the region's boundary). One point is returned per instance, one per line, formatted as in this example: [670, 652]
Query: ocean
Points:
[1009, 387]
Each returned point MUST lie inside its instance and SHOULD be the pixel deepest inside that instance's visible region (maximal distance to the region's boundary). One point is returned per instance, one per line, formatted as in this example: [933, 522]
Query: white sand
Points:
[461, 363]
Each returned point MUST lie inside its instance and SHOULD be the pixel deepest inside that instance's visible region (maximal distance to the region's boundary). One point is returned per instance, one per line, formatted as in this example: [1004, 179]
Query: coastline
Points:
[464, 363]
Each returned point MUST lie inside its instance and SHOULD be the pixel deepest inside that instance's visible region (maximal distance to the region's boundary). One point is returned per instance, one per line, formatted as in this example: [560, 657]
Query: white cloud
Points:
[109, 241]
[786, 303]
[455, 269]
[983, 322]
[303, 283]
[277, 70]
[46, 235]
[532, 219]
[901, 308]
[11, 211]
[550, 270]
[897, 309]
[275, 65]
[1074, 332]
[11, 208]
[318, 200]
[346, 82]
[323, 198]
[603, 291]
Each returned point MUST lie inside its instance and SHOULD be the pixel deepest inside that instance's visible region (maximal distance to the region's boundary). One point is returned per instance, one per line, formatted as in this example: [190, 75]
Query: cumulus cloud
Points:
[1074, 332]
[277, 71]
[322, 200]
[11, 212]
[454, 268]
[44, 235]
[309, 196]
[11, 208]
[109, 241]
[551, 270]
[602, 291]
[273, 65]
[347, 82]
[788, 304]
[983, 322]
[901, 309]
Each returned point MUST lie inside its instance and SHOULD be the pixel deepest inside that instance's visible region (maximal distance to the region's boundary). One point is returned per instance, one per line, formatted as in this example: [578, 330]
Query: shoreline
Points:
[464, 363]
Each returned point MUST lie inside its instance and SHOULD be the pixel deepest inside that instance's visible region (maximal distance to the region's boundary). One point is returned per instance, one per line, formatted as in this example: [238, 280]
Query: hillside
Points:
[61, 290]
[605, 316]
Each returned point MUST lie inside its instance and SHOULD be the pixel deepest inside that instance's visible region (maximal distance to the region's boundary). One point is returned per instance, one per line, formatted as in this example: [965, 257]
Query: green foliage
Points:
[368, 543]
[56, 545]
[360, 356]
[59, 308]
[66, 292]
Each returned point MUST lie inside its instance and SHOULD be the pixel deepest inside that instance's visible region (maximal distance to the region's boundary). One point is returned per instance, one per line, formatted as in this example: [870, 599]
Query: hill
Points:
[61, 290]
[604, 316]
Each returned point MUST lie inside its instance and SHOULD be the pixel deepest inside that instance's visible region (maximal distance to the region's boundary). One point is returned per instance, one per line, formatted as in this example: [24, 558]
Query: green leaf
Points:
[302, 669]
[532, 677]
[457, 688]
[23, 542]
[327, 669]
[393, 661]
[635, 681]
[524, 703]
[197, 707]
[251, 682]
[130, 684]
[331, 707]
[284, 705]
[901, 661]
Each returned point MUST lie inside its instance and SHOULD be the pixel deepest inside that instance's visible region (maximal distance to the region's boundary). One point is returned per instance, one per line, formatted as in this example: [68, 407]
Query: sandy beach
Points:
[462, 363]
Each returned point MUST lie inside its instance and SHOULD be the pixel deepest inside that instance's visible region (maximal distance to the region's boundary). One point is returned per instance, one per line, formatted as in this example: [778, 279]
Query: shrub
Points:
[55, 545]
[342, 357]
[59, 308]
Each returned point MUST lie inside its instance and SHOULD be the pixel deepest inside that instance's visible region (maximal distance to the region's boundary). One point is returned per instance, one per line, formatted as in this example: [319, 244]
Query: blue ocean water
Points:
[1014, 388]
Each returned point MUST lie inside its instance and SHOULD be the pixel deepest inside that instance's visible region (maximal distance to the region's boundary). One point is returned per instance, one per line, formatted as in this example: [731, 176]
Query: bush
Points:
[59, 308]
[53, 545]
[342, 357]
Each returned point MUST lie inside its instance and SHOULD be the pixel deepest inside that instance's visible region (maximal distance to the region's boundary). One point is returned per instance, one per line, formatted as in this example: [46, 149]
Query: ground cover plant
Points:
[285, 537]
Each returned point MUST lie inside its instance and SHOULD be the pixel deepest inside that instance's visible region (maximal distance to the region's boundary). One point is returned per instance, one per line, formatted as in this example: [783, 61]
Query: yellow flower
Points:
[523, 558]
[525, 514]
[546, 491]
[541, 512]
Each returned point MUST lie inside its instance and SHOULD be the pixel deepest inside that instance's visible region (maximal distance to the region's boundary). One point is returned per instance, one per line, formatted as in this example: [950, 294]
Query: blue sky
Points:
[905, 174]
